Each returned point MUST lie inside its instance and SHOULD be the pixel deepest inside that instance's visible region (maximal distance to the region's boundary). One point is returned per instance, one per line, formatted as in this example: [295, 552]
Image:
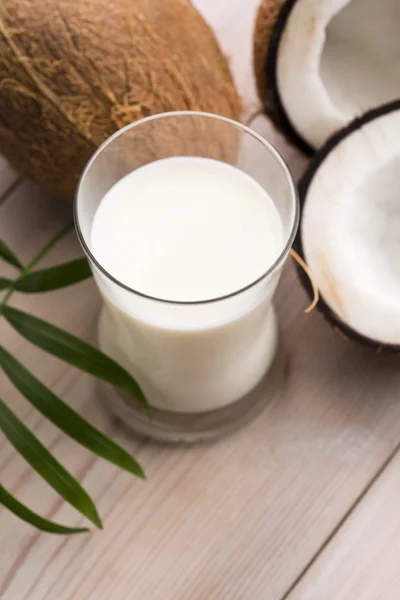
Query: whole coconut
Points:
[72, 72]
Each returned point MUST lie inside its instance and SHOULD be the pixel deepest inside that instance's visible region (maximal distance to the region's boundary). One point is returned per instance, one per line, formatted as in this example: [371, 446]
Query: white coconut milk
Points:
[188, 230]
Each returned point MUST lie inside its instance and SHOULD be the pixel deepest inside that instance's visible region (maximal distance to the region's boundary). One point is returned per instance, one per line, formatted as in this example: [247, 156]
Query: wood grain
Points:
[241, 518]
[225, 520]
[363, 559]
[8, 179]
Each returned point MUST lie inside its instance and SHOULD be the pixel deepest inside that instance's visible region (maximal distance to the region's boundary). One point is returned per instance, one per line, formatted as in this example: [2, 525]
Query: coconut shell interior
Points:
[271, 20]
[304, 186]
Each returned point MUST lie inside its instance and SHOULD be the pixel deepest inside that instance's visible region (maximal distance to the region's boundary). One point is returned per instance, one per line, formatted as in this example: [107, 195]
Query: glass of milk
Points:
[187, 219]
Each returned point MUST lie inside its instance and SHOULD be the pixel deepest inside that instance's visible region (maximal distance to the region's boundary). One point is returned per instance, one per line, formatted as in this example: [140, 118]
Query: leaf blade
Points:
[72, 350]
[8, 255]
[53, 278]
[64, 417]
[44, 463]
[27, 515]
[5, 283]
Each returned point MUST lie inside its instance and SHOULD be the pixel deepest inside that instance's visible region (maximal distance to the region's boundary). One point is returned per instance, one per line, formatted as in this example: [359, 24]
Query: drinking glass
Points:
[202, 376]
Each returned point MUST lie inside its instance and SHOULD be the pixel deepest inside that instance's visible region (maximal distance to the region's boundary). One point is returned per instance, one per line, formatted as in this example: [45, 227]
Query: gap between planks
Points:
[10, 190]
[345, 518]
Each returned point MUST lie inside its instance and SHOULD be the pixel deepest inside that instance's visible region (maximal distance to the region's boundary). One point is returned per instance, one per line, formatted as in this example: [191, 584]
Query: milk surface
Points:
[188, 229]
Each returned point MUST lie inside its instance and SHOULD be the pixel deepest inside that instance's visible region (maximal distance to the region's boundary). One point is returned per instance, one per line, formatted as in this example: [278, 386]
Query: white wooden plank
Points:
[362, 561]
[236, 519]
[8, 177]
[225, 520]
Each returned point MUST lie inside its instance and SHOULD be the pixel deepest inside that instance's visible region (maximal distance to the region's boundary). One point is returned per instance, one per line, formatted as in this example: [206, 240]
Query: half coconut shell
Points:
[349, 233]
[270, 23]
[325, 63]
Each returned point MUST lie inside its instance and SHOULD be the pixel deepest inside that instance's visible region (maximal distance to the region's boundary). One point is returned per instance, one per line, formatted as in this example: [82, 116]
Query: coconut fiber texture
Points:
[72, 72]
[266, 17]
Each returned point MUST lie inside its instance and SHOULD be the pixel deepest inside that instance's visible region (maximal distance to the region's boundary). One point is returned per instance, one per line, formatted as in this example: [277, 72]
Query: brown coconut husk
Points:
[266, 17]
[188, 134]
[72, 72]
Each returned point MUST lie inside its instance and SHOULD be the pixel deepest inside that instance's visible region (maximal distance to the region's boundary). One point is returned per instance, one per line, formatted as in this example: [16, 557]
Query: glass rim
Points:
[244, 128]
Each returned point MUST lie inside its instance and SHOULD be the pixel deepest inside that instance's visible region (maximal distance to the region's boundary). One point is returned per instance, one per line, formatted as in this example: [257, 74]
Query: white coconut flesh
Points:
[336, 60]
[350, 229]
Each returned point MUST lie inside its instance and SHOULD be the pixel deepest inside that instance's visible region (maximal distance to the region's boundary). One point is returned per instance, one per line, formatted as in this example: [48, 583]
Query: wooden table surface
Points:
[302, 504]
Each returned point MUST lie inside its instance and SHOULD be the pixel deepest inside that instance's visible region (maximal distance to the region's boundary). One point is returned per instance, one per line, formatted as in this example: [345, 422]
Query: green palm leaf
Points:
[4, 283]
[26, 514]
[8, 255]
[72, 350]
[64, 417]
[54, 278]
[46, 465]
